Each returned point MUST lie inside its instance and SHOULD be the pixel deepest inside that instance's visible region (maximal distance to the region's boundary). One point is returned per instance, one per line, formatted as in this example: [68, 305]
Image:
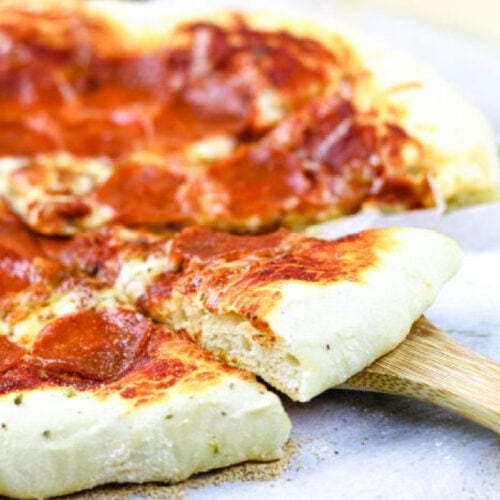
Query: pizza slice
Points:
[302, 313]
[93, 392]
[235, 121]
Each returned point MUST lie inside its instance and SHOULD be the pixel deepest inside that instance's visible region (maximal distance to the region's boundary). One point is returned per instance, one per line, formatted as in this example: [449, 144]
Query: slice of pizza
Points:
[302, 313]
[93, 392]
[236, 121]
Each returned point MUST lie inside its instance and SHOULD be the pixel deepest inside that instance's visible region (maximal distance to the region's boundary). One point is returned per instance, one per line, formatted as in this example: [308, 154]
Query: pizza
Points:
[112, 113]
[279, 305]
[92, 391]
[154, 173]
[116, 345]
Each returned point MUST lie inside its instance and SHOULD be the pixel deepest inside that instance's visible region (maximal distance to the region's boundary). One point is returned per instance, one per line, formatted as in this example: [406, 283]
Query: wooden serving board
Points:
[431, 366]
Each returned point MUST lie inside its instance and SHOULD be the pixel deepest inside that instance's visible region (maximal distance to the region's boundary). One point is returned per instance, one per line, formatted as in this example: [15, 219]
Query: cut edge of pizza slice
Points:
[92, 392]
[303, 314]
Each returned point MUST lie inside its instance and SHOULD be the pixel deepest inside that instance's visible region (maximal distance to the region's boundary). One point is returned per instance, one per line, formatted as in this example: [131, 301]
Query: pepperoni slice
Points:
[14, 271]
[100, 345]
[206, 245]
[15, 236]
[143, 194]
[10, 353]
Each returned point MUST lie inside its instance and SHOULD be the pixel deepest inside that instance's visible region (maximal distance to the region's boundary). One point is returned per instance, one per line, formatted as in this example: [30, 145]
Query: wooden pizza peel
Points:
[430, 365]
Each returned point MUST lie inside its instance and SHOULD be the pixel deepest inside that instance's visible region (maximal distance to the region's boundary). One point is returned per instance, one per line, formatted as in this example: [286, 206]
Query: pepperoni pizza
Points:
[236, 121]
[129, 323]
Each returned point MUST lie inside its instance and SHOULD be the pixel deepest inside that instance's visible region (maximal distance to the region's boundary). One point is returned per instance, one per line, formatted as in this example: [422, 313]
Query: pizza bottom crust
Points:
[55, 441]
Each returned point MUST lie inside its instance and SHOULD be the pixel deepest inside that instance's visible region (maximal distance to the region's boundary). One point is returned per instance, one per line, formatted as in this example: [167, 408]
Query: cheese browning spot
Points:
[199, 245]
[241, 274]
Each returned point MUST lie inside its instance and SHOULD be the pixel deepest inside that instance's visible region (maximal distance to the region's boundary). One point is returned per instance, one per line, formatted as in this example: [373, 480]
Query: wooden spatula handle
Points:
[431, 366]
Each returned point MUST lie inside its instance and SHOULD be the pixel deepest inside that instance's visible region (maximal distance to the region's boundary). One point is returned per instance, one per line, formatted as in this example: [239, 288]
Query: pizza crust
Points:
[318, 333]
[461, 150]
[79, 440]
[332, 332]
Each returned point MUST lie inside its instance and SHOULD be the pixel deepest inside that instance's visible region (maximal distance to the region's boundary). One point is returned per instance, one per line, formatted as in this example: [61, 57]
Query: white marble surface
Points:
[368, 446]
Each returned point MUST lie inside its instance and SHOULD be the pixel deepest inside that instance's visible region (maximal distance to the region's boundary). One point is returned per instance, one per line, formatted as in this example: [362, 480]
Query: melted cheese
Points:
[135, 274]
[60, 302]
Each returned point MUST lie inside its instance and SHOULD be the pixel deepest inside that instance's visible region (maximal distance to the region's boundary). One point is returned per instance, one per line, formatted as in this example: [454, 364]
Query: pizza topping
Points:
[241, 274]
[86, 252]
[217, 80]
[16, 237]
[10, 353]
[183, 133]
[99, 345]
[158, 291]
[15, 271]
[247, 74]
[28, 373]
[344, 259]
[328, 158]
[22, 257]
[203, 245]
[122, 353]
[143, 194]
[18, 271]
